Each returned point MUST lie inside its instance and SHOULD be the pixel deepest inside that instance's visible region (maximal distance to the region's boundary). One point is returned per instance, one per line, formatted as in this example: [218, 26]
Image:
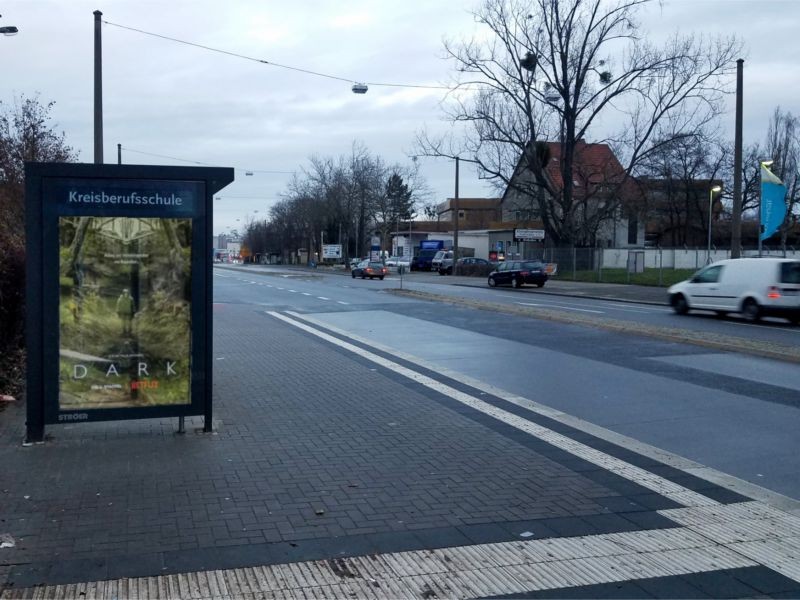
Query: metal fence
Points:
[651, 266]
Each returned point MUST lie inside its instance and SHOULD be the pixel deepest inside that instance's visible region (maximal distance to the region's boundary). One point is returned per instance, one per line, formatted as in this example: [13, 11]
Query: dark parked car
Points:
[423, 260]
[446, 267]
[518, 273]
[369, 269]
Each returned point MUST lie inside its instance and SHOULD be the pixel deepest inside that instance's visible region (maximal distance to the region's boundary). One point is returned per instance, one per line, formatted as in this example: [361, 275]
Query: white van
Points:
[440, 257]
[754, 287]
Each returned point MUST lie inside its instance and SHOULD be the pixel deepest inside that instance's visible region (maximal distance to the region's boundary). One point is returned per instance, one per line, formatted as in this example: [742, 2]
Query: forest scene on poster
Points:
[124, 312]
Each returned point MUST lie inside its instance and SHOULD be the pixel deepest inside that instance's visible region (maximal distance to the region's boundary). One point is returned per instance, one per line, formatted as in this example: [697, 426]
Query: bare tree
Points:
[344, 199]
[678, 178]
[560, 69]
[26, 135]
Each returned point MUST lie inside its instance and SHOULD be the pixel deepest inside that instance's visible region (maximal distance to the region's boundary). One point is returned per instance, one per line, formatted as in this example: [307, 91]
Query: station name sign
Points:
[174, 197]
[132, 198]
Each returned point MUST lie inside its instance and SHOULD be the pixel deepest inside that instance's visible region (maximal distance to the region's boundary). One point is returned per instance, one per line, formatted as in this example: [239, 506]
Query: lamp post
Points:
[712, 191]
[762, 163]
[455, 222]
[455, 208]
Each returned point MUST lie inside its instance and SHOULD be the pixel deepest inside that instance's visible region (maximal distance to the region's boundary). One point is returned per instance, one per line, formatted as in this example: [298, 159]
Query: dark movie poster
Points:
[124, 312]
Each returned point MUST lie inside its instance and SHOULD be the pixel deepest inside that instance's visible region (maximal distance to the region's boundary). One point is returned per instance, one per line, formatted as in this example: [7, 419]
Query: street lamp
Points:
[8, 29]
[455, 208]
[714, 190]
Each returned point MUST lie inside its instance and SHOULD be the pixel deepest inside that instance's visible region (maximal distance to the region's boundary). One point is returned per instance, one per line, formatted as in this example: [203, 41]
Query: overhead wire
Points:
[197, 162]
[274, 64]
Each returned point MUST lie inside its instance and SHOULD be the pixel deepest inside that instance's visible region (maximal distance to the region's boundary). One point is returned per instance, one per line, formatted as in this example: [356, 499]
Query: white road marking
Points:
[542, 305]
[323, 298]
[770, 327]
[340, 302]
[306, 294]
[633, 473]
[293, 291]
[640, 307]
[280, 288]
[627, 308]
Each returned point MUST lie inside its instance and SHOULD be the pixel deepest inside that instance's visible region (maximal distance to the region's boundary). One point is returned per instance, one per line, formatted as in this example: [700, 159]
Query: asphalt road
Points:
[734, 413]
[566, 297]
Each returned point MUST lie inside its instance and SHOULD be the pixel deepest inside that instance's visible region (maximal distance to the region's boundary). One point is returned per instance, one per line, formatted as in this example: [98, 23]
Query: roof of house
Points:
[593, 164]
[470, 204]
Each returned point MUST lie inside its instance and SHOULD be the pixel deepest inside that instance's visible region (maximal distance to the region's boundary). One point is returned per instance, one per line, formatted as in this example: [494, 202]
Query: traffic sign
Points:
[528, 235]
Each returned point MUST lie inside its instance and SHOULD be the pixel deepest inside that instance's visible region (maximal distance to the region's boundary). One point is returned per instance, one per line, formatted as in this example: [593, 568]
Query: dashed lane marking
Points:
[548, 305]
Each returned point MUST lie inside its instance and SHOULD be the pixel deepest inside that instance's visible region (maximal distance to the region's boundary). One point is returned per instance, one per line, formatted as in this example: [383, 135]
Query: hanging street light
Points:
[8, 29]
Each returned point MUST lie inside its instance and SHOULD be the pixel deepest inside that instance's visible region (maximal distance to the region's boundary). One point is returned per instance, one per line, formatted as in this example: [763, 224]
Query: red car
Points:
[369, 269]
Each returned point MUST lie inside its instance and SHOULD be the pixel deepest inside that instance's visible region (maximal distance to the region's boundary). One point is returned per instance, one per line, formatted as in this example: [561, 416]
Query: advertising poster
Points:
[124, 312]
[331, 251]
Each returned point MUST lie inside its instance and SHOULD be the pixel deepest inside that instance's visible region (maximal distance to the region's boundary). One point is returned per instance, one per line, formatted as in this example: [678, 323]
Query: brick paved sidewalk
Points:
[322, 455]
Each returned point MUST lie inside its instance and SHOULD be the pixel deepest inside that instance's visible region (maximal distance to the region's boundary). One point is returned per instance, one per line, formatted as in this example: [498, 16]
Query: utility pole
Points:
[455, 222]
[119, 154]
[736, 223]
[98, 89]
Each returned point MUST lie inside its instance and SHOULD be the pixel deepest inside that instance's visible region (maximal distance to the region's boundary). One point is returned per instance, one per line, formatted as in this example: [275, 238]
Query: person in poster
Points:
[129, 280]
[126, 309]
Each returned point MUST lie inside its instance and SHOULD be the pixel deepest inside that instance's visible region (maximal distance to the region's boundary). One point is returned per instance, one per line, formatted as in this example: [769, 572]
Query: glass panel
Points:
[709, 275]
[124, 312]
[790, 272]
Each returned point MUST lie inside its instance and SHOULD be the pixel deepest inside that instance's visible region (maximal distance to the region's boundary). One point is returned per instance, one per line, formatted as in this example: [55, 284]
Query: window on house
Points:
[633, 230]
[525, 215]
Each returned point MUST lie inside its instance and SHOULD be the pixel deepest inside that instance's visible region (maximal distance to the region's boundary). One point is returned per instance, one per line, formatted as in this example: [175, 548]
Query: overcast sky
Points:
[169, 99]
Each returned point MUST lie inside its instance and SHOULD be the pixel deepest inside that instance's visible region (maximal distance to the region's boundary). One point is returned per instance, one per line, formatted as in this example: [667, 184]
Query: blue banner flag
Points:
[773, 203]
